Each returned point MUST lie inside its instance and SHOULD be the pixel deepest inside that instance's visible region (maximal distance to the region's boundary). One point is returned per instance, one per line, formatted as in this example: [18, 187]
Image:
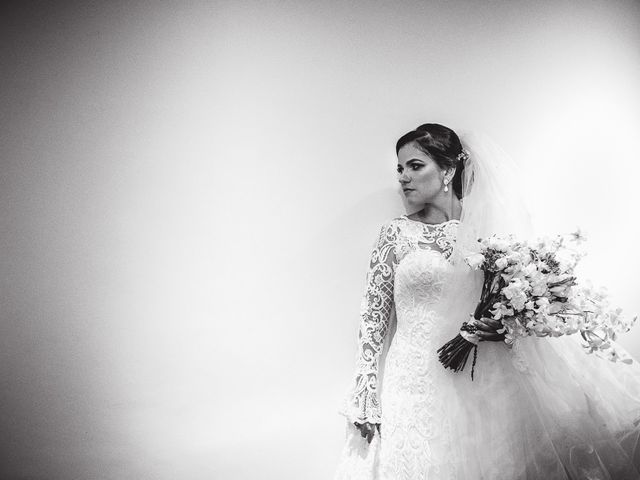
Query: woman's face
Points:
[419, 175]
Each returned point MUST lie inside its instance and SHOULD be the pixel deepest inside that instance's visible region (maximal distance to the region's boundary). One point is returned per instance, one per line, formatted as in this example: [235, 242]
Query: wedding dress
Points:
[544, 409]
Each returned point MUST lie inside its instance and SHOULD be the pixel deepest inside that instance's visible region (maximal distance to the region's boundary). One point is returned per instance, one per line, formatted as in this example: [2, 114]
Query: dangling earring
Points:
[446, 188]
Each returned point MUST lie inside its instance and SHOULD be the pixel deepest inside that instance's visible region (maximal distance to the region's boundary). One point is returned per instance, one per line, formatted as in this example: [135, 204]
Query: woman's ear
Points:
[450, 173]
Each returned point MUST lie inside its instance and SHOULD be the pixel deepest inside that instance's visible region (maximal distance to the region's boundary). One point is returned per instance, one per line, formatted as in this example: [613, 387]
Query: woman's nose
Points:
[403, 178]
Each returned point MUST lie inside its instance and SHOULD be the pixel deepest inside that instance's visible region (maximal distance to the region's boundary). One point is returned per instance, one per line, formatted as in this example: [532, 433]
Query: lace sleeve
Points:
[375, 311]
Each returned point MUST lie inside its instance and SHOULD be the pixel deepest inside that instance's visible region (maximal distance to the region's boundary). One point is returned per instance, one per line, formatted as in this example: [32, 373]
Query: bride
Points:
[543, 409]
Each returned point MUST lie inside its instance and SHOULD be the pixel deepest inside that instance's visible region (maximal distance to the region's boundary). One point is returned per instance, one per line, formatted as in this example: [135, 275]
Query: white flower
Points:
[526, 258]
[515, 257]
[475, 260]
[518, 302]
[517, 286]
[543, 304]
[530, 270]
[578, 236]
[498, 243]
[538, 285]
[502, 263]
[500, 310]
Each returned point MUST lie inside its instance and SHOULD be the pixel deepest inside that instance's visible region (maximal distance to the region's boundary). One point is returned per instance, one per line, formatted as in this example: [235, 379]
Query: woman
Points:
[541, 410]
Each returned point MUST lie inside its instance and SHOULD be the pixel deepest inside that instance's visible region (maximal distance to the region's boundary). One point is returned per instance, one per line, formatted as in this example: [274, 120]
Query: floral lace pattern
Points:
[416, 440]
[407, 272]
[375, 310]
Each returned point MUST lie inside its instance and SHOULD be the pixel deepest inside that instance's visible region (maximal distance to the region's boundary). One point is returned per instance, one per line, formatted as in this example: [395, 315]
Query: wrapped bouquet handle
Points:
[455, 352]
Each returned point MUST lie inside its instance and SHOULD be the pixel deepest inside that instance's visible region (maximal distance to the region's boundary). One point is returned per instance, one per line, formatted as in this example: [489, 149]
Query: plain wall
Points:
[189, 193]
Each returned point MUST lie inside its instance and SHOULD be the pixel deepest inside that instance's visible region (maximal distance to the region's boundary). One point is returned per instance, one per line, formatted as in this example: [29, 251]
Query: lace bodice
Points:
[397, 239]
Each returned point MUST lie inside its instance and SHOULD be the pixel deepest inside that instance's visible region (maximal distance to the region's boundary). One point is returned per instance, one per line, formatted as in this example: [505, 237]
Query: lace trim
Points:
[429, 224]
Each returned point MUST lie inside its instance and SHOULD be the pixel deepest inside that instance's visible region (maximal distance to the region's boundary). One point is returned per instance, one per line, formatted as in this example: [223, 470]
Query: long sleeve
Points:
[375, 311]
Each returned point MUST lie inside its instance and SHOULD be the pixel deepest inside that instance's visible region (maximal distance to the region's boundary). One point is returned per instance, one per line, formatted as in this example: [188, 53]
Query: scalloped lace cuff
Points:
[361, 410]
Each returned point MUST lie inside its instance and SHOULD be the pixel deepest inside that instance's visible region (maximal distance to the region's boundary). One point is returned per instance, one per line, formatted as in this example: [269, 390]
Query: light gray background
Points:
[189, 192]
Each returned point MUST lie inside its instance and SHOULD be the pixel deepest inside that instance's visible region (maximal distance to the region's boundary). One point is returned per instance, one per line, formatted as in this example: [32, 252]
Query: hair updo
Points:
[442, 145]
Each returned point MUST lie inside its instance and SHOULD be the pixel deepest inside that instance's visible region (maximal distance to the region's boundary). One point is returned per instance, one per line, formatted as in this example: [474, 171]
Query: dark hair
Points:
[442, 145]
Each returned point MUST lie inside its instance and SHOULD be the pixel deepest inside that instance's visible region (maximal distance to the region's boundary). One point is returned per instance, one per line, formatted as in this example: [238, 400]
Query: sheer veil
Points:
[579, 408]
[491, 204]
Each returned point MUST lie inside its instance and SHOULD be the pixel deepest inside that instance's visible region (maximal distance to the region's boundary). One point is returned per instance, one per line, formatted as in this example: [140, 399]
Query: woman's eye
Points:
[413, 166]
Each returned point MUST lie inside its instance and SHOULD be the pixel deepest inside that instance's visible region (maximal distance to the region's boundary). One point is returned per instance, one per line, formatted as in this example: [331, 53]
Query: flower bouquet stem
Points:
[455, 352]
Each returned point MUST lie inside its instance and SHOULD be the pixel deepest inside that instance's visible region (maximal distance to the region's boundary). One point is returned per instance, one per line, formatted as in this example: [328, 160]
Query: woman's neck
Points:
[441, 210]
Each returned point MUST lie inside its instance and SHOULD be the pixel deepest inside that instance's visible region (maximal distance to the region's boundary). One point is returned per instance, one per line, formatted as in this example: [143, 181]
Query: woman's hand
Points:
[486, 329]
[367, 430]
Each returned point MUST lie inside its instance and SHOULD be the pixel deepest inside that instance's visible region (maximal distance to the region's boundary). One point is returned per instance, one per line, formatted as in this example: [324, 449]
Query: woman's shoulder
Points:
[392, 229]
[396, 221]
[393, 223]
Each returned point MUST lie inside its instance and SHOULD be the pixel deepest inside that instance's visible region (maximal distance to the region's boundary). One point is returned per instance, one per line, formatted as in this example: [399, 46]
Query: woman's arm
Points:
[375, 312]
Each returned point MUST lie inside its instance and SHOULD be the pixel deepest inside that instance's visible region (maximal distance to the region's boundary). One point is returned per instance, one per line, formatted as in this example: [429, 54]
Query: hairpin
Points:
[463, 156]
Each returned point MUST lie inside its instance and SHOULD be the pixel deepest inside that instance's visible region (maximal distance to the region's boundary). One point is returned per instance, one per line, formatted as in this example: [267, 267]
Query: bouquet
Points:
[531, 289]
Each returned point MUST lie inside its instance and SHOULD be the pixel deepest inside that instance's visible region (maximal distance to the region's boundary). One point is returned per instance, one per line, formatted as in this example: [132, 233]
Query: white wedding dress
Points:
[542, 410]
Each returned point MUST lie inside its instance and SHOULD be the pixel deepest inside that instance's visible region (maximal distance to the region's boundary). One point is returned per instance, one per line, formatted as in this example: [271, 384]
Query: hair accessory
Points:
[463, 156]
